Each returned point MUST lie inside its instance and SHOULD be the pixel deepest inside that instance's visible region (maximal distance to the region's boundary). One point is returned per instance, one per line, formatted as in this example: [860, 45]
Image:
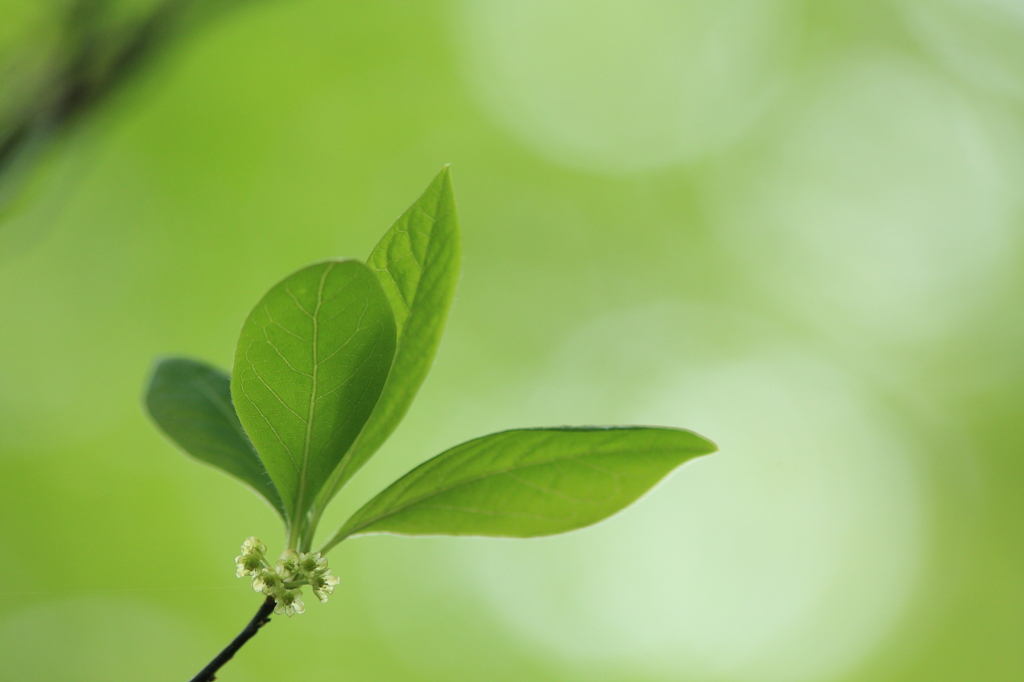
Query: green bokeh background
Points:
[793, 226]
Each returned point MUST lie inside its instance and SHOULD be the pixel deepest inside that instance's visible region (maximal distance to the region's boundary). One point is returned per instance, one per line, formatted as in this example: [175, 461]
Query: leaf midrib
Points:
[312, 394]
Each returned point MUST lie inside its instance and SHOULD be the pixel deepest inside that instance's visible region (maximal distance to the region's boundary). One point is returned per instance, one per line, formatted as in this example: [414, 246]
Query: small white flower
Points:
[288, 565]
[268, 582]
[311, 564]
[247, 564]
[251, 559]
[289, 602]
[323, 585]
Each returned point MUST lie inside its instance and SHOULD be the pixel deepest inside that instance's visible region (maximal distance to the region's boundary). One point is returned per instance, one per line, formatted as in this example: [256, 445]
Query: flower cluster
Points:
[284, 580]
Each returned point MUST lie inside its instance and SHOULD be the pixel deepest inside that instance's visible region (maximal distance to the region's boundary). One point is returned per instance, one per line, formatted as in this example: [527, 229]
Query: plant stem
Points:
[262, 617]
[312, 519]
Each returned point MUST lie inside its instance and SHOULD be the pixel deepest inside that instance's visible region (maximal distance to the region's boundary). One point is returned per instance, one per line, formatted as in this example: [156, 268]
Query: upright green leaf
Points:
[191, 403]
[417, 262]
[311, 362]
[527, 482]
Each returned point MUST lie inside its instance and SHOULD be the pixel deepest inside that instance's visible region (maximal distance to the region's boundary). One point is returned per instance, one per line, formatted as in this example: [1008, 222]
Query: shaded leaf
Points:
[311, 361]
[417, 262]
[526, 483]
[191, 403]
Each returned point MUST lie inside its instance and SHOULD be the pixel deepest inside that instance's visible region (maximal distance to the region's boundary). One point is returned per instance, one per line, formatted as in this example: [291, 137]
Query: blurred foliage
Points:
[792, 225]
[63, 58]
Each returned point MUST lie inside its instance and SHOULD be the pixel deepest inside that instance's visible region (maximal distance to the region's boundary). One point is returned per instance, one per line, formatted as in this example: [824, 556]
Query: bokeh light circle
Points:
[885, 210]
[980, 40]
[624, 87]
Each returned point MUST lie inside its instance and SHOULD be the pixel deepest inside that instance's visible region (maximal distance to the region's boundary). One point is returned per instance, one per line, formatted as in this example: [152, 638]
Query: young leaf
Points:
[191, 403]
[417, 262]
[311, 361]
[527, 482]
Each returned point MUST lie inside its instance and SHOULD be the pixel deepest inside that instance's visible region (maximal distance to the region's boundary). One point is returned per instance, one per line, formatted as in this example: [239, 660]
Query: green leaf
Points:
[191, 403]
[417, 262]
[311, 361]
[527, 482]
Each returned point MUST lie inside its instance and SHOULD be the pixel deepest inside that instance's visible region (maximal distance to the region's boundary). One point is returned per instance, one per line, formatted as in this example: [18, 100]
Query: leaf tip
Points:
[443, 178]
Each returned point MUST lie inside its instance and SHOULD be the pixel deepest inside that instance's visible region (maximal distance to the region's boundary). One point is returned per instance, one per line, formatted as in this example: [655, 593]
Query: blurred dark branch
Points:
[261, 618]
[95, 60]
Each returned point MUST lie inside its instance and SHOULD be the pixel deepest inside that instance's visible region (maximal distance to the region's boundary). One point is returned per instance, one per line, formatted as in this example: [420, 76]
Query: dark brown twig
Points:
[262, 617]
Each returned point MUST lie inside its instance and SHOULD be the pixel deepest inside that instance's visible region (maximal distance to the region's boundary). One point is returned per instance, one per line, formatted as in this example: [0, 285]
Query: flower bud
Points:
[252, 545]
